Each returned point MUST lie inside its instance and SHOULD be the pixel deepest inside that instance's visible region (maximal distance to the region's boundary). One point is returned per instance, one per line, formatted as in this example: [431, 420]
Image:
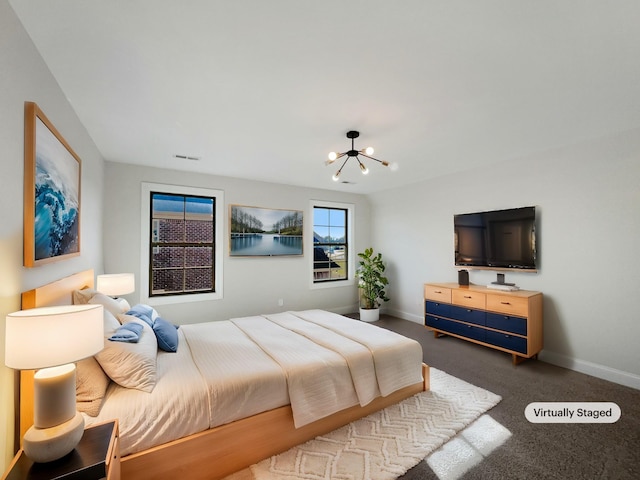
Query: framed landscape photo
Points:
[264, 232]
[52, 173]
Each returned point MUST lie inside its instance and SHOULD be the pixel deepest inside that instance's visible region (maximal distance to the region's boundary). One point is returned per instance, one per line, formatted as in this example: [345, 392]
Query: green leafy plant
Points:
[371, 279]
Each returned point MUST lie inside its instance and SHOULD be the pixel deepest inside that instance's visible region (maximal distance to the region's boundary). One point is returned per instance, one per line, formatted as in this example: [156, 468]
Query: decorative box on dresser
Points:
[96, 457]
[510, 321]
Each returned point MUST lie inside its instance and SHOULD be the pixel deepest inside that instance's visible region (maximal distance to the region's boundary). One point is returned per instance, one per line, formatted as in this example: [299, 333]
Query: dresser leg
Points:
[517, 359]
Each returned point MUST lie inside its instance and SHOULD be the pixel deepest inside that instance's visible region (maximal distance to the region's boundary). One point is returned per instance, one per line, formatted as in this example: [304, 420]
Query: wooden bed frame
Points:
[217, 452]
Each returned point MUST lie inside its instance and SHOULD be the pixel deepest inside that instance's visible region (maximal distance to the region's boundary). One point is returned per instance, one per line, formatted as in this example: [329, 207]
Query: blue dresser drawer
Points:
[507, 323]
[469, 331]
[436, 308]
[510, 342]
[442, 324]
[468, 315]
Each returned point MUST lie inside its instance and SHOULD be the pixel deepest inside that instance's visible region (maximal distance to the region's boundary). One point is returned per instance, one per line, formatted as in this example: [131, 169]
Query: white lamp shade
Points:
[114, 284]
[51, 336]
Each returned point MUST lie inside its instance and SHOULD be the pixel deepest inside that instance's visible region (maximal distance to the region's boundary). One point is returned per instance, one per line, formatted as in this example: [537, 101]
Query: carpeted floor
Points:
[385, 444]
[535, 451]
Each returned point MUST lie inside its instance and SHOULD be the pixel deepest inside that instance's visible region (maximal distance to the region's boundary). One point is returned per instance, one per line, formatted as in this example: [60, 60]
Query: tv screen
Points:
[496, 239]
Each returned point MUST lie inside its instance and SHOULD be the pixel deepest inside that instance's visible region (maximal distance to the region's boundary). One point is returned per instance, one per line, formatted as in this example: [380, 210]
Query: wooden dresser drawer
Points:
[469, 298]
[438, 294]
[509, 304]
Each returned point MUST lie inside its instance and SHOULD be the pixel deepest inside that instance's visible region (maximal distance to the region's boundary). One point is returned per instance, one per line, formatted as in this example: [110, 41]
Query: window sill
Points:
[174, 299]
[333, 284]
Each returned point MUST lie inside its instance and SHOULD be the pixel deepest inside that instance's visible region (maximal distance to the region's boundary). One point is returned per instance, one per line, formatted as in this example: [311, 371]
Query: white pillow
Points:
[111, 304]
[131, 365]
[110, 322]
[91, 386]
[124, 305]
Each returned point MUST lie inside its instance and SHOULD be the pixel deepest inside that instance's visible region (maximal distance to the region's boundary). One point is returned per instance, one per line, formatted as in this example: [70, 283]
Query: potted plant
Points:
[371, 285]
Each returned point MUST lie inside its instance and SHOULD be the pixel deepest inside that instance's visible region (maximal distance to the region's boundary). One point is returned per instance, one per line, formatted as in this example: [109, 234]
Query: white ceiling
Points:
[265, 89]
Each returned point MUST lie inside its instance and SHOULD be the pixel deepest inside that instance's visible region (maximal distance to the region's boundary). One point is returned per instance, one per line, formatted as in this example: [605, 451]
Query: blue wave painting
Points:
[57, 186]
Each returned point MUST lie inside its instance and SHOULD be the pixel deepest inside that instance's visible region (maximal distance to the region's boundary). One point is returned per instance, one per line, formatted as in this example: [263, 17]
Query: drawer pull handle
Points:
[437, 291]
[505, 303]
[467, 296]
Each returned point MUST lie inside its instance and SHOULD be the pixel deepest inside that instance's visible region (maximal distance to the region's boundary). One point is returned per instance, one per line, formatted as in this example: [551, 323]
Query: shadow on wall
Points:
[555, 336]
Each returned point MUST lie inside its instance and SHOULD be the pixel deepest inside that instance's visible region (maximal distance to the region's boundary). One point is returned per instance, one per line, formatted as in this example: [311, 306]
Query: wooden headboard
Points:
[54, 293]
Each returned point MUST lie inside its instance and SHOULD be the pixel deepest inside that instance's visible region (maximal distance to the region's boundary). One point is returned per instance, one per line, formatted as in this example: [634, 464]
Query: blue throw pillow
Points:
[143, 312]
[129, 332]
[166, 334]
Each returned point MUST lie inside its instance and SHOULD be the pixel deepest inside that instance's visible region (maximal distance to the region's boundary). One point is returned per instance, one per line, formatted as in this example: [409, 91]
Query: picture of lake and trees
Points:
[259, 231]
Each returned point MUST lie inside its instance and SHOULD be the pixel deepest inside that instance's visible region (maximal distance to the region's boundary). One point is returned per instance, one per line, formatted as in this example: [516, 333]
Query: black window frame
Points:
[344, 245]
[185, 244]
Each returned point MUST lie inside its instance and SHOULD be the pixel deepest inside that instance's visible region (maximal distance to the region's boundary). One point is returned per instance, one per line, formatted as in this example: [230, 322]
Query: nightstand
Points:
[97, 456]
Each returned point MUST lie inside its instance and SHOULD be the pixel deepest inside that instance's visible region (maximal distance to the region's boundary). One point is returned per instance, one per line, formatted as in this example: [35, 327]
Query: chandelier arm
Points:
[342, 166]
[373, 158]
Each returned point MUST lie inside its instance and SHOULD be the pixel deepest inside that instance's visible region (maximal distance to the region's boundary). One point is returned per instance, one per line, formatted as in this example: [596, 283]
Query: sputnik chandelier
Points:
[367, 152]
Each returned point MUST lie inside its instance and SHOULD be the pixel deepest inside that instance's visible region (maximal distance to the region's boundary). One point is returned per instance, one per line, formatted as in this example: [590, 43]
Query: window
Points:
[182, 259]
[330, 243]
[182, 244]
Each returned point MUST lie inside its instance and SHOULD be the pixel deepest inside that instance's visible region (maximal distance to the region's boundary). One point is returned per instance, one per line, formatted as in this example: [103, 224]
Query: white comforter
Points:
[317, 361]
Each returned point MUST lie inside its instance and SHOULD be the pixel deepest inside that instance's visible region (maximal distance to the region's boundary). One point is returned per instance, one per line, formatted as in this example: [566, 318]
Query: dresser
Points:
[510, 321]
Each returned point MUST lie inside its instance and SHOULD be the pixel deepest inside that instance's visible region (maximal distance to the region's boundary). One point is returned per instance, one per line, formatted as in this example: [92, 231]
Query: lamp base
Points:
[48, 444]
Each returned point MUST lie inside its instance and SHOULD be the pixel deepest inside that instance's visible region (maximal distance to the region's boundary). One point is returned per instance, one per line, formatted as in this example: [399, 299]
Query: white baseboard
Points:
[346, 309]
[594, 369]
[404, 315]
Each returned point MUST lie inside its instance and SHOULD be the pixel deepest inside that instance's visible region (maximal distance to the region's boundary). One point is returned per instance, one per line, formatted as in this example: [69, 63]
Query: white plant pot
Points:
[369, 314]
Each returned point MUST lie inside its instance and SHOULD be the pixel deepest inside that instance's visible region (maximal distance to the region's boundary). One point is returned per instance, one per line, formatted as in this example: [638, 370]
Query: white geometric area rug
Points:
[385, 444]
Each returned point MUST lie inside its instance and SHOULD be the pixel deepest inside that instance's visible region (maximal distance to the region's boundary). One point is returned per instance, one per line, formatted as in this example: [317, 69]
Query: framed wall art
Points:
[265, 232]
[52, 173]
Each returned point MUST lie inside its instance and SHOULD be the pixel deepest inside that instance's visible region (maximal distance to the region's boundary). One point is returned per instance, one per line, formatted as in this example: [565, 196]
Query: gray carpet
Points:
[536, 451]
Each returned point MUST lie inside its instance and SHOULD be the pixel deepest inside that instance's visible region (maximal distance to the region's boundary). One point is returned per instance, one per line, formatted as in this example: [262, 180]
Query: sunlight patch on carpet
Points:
[468, 448]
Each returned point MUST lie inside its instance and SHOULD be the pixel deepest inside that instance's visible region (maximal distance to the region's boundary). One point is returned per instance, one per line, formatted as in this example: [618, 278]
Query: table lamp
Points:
[50, 339]
[114, 284]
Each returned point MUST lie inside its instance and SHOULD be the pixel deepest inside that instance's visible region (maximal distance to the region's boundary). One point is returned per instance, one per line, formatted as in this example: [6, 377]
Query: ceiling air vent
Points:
[186, 157]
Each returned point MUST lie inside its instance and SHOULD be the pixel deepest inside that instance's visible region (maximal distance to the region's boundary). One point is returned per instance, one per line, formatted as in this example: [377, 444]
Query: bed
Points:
[238, 391]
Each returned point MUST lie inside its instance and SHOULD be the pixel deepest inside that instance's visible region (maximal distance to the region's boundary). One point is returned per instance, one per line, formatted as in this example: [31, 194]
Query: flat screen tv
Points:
[499, 239]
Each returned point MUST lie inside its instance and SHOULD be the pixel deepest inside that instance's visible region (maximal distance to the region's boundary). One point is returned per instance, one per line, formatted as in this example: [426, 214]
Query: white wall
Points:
[588, 202]
[25, 77]
[252, 285]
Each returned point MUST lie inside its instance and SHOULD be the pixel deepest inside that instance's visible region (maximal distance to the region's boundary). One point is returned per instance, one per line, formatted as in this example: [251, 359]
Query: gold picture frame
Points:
[52, 173]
